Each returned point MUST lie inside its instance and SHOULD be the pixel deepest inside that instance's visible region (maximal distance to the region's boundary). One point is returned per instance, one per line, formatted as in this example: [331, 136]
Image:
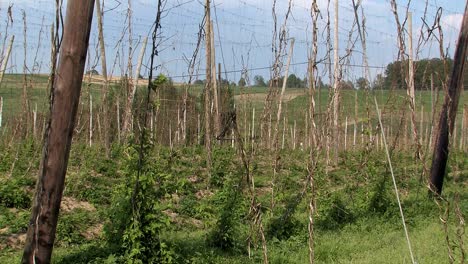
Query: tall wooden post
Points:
[127, 119]
[207, 88]
[283, 89]
[336, 84]
[217, 121]
[105, 86]
[58, 137]
[410, 60]
[449, 110]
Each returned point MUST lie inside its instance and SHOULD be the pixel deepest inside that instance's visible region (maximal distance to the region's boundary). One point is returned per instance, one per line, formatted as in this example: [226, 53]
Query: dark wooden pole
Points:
[449, 111]
[58, 136]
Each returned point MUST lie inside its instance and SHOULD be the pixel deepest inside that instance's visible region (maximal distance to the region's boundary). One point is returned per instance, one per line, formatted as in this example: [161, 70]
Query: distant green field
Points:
[294, 107]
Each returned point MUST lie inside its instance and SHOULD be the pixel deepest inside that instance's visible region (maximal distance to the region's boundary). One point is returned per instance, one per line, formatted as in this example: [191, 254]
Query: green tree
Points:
[346, 85]
[362, 83]
[423, 69]
[379, 82]
[294, 82]
[242, 82]
[259, 81]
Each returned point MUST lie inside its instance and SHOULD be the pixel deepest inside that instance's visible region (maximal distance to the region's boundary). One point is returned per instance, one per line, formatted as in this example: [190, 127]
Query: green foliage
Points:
[15, 220]
[13, 194]
[222, 165]
[137, 213]
[295, 82]
[259, 81]
[226, 233]
[242, 82]
[423, 70]
[72, 226]
[381, 200]
[282, 228]
[161, 80]
[336, 215]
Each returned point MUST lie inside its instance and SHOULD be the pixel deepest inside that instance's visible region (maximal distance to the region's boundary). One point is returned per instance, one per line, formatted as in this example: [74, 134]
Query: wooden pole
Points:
[66, 94]
[90, 120]
[105, 87]
[410, 59]
[421, 123]
[127, 120]
[118, 119]
[6, 58]
[449, 110]
[253, 126]
[284, 132]
[207, 89]
[336, 84]
[283, 89]
[346, 134]
[217, 122]
[35, 121]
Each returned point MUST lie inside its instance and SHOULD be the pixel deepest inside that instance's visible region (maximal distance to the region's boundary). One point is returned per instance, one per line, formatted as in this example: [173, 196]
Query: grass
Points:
[357, 219]
[369, 235]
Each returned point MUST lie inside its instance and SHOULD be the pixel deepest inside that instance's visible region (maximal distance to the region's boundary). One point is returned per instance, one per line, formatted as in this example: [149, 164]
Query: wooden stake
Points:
[127, 120]
[454, 135]
[34, 121]
[362, 134]
[346, 133]
[253, 126]
[449, 110]
[284, 131]
[217, 120]
[421, 122]
[198, 129]
[294, 138]
[410, 59]
[283, 89]
[90, 120]
[104, 88]
[118, 118]
[355, 134]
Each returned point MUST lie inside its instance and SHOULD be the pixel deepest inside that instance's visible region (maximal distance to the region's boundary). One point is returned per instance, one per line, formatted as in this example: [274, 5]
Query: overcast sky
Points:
[243, 33]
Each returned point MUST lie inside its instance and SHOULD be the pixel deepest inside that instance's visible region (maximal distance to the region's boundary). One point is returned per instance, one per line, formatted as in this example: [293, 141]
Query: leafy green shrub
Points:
[380, 200]
[226, 233]
[72, 226]
[136, 214]
[222, 164]
[282, 228]
[187, 205]
[87, 186]
[15, 220]
[336, 215]
[14, 195]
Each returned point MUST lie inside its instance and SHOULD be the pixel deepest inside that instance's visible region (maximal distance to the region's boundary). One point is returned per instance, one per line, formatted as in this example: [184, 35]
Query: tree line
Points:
[391, 78]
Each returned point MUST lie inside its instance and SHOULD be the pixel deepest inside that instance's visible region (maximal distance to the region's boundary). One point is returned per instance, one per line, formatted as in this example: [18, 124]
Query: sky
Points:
[243, 34]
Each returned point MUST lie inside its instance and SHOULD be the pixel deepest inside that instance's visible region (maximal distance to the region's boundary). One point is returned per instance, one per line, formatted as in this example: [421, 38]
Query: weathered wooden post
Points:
[449, 110]
[59, 132]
